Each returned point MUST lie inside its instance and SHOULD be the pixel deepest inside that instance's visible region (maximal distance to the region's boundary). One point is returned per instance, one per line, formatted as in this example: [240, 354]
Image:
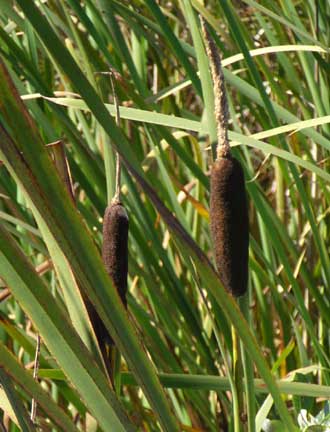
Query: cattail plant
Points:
[115, 232]
[115, 227]
[228, 202]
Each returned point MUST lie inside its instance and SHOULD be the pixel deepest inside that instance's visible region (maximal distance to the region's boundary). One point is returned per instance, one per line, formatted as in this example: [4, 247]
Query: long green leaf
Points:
[182, 123]
[210, 382]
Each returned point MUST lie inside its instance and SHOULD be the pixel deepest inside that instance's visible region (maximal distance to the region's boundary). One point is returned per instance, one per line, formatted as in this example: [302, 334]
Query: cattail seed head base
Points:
[115, 247]
[230, 224]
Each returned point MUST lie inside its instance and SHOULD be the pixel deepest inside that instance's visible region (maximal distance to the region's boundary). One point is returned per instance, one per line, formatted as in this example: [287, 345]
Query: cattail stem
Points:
[229, 373]
[33, 413]
[228, 217]
[116, 198]
[237, 372]
[244, 303]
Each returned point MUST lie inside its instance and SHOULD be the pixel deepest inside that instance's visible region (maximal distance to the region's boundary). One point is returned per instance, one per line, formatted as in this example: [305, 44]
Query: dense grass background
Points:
[178, 326]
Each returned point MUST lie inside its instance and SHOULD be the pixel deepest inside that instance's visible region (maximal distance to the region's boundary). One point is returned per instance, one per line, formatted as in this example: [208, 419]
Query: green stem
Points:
[109, 165]
[115, 376]
[248, 370]
[229, 374]
[280, 194]
[237, 372]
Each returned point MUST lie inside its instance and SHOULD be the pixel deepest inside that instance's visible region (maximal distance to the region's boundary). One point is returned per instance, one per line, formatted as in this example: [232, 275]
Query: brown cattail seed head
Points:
[115, 247]
[230, 224]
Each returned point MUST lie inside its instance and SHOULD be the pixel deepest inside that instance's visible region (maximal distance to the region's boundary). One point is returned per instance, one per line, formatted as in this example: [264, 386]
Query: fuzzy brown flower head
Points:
[115, 247]
[230, 224]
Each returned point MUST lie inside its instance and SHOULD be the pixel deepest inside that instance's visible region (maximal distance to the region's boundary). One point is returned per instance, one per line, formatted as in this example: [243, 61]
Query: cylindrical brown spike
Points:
[115, 247]
[230, 224]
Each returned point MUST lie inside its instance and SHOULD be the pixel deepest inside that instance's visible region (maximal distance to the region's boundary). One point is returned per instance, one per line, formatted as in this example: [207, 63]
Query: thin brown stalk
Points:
[35, 376]
[220, 99]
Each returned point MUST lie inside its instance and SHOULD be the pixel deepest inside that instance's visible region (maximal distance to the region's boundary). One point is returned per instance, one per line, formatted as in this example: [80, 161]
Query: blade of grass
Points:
[209, 382]
[16, 403]
[177, 122]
